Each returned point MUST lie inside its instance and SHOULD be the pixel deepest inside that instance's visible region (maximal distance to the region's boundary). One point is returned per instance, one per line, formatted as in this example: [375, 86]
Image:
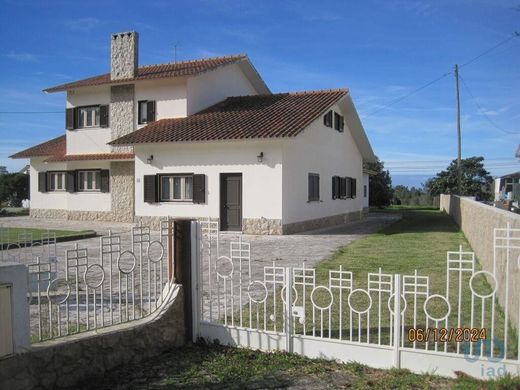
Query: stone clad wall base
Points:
[73, 215]
[75, 361]
[261, 226]
[318, 223]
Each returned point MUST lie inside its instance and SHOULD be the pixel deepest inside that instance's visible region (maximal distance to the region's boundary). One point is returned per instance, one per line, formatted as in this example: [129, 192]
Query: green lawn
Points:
[203, 366]
[13, 235]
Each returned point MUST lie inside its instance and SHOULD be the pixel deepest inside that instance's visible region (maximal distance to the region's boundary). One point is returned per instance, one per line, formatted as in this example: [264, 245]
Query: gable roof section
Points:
[159, 71]
[54, 147]
[241, 117]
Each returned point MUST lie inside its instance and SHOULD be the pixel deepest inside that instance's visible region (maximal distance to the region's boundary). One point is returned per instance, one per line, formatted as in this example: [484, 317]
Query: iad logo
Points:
[489, 354]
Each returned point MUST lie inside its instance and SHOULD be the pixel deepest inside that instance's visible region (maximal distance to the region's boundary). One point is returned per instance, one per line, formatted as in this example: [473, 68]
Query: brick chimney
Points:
[125, 55]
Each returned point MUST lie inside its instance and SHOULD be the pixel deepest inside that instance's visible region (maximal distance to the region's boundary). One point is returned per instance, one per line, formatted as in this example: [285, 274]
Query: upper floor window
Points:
[339, 122]
[89, 180]
[176, 188]
[145, 111]
[56, 181]
[88, 116]
[327, 119]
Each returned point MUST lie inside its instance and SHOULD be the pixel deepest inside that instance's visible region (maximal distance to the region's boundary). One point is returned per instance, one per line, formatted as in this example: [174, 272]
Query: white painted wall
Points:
[94, 139]
[261, 183]
[209, 88]
[323, 150]
[169, 95]
[79, 201]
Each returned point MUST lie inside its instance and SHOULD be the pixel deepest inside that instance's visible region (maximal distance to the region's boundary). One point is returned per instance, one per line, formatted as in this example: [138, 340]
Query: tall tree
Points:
[14, 187]
[475, 180]
[380, 185]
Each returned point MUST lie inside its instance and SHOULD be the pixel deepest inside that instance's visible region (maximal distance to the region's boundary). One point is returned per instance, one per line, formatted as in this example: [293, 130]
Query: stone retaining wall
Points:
[73, 361]
[478, 220]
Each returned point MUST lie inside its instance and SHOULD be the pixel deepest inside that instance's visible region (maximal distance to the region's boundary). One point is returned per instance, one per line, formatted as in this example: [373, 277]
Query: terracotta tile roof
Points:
[54, 147]
[92, 157]
[160, 71]
[241, 117]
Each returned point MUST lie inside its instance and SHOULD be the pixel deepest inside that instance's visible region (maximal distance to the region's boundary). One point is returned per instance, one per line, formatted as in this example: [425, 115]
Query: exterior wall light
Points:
[149, 160]
[260, 157]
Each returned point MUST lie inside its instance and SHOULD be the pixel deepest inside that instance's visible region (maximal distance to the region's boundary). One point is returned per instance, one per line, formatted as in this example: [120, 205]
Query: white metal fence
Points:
[123, 278]
[435, 323]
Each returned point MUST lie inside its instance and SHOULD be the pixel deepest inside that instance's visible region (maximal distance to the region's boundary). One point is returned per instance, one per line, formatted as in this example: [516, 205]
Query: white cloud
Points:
[20, 56]
[83, 24]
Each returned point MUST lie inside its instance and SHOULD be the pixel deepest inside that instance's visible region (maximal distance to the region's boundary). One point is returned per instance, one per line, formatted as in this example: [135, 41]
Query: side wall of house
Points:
[327, 152]
[261, 182]
[211, 87]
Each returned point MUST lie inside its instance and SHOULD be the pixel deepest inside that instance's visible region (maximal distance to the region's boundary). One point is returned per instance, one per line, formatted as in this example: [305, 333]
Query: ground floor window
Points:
[56, 181]
[176, 188]
[89, 180]
[314, 187]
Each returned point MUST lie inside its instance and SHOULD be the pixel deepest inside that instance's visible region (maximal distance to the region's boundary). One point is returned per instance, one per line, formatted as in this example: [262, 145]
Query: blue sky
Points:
[380, 50]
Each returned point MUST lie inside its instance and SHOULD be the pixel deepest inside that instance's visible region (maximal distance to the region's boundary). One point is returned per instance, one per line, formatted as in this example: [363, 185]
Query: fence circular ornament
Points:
[149, 254]
[441, 298]
[360, 292]
[131, 257]
[224, 267]
[91, 276]
[54, 285]
[391, 301]
[295, 295]
[313, 300]
[257, 292]
[490, 276]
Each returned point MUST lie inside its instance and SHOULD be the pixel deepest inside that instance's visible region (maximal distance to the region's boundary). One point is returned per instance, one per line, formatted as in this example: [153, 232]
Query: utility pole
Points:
[459, 168]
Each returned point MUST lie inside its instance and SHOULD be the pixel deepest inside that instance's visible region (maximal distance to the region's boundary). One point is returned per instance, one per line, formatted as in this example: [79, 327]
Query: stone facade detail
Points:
[122, 190]
[125, 55]
[75, 215]
[121, 114]
[80, 360]
[261, 226]
[318, 223]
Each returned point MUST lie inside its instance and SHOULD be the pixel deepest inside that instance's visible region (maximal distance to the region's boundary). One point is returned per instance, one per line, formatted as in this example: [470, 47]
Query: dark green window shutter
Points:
[335, 187]
[199, 189]
[150, 111]
[342, 187]
[327, 119]
[103, 115]
[70, 181]
[105, 180]
[150, 188]
[69, 118]
[42, 181]
[353, 188]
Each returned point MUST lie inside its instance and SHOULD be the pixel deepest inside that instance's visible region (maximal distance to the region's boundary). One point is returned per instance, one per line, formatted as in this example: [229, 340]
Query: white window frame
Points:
[93, 111]
[83, 177]
[171, 179]
[54, 177]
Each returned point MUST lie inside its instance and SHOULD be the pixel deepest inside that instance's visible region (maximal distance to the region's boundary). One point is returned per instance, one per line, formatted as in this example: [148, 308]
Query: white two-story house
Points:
[198, 139]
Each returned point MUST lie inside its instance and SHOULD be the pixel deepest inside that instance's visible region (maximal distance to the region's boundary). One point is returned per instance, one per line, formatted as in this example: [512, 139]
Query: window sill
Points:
[315, 201]
[177, 201]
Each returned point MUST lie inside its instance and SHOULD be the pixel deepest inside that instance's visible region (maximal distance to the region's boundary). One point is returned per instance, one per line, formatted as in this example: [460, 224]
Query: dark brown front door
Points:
[231, 201]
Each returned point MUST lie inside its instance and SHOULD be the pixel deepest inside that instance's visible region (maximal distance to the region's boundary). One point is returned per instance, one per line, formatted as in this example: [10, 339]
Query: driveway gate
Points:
[426, 323]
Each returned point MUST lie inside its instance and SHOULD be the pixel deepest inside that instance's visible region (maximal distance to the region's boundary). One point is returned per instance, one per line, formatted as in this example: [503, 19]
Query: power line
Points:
[495, 125]
[514, 35]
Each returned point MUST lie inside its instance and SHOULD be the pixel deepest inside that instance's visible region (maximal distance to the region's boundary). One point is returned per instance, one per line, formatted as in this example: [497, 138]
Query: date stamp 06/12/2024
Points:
[447, 335]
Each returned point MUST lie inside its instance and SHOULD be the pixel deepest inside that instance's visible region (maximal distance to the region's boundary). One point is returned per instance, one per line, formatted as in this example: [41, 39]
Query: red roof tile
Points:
[241, 117]
[92, 157]
[54, 147]
[160, 71]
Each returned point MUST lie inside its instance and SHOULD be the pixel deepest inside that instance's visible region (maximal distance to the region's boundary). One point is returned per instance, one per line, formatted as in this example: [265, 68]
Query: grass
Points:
[13, 212]
[214, 366]
[13, 235]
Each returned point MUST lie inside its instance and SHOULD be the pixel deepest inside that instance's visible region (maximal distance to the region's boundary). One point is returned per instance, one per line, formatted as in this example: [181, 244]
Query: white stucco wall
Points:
[169, 96]
[323, 150]
[80, 201]
[261, 183]
[212, 87]
[94, 139]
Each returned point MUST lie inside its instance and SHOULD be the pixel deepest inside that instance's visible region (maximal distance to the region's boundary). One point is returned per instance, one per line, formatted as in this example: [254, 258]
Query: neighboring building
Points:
[3, 170]
[203, 138]
[507, 187]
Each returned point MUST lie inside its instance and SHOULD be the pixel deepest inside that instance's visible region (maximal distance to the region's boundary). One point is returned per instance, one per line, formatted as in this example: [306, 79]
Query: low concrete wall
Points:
[74, 360]
[478, 222]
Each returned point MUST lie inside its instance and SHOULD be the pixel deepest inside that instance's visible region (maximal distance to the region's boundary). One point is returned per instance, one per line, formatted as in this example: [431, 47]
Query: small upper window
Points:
[327, 119]
[56, 181]
[88, 117]
[145, 111]
[339, 122]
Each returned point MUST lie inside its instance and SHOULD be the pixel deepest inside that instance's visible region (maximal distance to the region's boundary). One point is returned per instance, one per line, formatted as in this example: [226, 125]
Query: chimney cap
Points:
[122, 34]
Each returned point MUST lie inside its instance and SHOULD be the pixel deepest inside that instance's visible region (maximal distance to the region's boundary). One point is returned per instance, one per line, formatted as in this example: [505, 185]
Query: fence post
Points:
[397, 320]
[196, 236]
[182, 269]
[288, 309]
